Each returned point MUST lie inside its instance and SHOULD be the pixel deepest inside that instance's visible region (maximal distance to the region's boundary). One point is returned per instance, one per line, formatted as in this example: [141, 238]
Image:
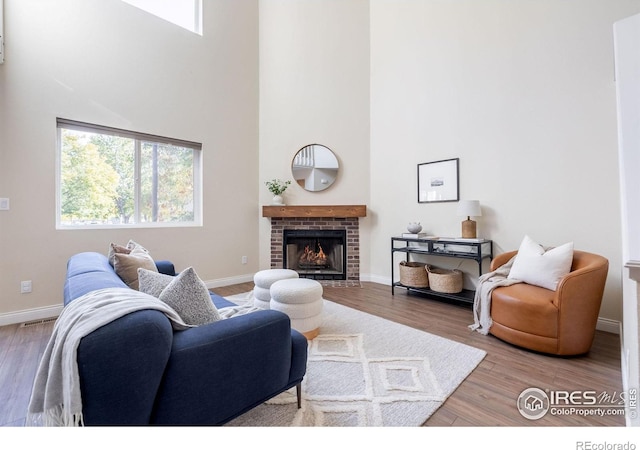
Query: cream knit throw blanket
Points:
[482, 301]
[55, 398]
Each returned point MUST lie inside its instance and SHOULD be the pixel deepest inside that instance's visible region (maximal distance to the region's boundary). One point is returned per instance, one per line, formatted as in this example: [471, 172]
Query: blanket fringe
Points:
[482, 301]
[55, 417]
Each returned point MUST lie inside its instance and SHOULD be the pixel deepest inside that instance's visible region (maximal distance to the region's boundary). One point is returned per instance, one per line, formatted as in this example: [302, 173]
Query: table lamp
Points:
[469, 208]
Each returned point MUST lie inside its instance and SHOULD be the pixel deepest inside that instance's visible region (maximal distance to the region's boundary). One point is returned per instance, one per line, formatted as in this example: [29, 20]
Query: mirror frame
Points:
[311, 175]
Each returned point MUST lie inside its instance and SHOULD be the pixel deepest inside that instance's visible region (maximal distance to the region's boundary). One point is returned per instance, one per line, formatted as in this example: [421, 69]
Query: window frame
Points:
[138, 138]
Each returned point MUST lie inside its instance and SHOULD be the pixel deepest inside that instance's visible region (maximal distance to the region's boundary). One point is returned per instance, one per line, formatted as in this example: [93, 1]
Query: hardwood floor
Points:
[486, 398]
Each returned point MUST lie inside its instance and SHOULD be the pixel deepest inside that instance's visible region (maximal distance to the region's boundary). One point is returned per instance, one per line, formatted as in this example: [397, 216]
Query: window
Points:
[184, 13]
[109, 177]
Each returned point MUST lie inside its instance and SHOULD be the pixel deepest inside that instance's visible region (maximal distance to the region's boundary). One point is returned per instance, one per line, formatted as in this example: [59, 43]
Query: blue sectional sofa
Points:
[137, 370]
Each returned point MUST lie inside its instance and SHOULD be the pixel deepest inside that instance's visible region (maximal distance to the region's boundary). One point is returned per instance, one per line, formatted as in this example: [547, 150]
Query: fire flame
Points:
[311, 257]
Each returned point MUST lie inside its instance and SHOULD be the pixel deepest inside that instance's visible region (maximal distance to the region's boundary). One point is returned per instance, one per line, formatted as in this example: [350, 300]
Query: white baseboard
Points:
[608, 325]
[219, 282]
[28, 315]
[375, 279]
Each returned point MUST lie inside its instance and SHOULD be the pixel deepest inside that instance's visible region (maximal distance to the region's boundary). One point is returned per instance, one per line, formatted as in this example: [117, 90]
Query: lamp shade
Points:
[469, 208]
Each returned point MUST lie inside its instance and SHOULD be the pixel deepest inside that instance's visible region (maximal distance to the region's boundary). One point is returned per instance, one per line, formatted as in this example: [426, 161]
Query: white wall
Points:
[523, 93]
[314, 89]
[107, 62]
[627, 58]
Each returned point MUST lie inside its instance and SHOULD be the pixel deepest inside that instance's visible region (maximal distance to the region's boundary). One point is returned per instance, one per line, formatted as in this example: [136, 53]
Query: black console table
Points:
[474, 249]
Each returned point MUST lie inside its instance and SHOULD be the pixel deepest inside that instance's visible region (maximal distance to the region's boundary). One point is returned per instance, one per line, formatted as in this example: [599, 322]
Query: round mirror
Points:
[315, 167]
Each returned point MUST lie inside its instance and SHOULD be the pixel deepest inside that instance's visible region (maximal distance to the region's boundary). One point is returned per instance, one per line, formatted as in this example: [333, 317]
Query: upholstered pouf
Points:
[263, 281]
[301, 300]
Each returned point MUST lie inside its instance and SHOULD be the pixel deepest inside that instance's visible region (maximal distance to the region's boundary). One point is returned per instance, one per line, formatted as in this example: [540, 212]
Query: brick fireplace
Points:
[317, 218]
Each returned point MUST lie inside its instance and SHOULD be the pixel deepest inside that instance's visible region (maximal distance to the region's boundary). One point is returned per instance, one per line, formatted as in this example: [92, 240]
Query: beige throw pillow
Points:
[115, 248]
[126, 249]
[127, 265]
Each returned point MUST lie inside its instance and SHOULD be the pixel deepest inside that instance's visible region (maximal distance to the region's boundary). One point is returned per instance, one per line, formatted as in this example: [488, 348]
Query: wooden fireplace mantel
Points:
[314, 211]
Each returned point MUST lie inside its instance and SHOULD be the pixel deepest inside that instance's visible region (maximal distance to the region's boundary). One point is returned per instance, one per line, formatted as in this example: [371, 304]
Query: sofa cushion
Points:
[186, 293]
[127, 265]
[539, 267]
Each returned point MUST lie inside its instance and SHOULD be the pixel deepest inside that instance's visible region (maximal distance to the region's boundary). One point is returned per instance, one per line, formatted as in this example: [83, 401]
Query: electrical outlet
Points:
[4, 204]
[25, 287]
[244, 260]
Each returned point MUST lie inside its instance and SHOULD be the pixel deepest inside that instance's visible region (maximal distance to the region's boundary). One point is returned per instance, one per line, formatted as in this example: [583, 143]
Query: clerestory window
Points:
[109, 177]
[184, 13]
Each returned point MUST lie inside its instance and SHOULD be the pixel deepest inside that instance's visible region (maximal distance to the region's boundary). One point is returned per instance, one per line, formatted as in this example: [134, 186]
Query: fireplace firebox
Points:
[317, 254]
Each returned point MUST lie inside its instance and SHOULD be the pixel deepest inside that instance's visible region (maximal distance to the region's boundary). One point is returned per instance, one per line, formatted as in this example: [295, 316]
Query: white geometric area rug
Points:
[363, 370]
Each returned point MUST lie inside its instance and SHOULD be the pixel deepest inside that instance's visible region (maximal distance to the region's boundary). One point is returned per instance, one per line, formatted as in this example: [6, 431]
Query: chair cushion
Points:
[538, 267]
[525, 308]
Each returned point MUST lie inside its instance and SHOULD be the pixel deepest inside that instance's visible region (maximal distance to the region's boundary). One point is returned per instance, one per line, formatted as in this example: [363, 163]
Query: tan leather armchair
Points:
[561, 322]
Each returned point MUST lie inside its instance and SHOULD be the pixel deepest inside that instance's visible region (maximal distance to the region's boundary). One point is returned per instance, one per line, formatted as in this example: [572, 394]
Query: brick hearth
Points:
[350, 224]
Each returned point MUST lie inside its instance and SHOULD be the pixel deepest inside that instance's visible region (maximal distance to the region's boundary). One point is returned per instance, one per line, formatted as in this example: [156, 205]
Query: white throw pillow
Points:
[533, 265]
[186, 293]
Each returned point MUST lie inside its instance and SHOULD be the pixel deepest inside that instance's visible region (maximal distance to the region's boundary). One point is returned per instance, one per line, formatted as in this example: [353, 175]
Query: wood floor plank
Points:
[19, 366]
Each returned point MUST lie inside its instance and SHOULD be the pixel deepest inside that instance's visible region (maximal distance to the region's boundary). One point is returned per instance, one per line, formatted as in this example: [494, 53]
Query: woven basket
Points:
[444, 280]
[413, 274]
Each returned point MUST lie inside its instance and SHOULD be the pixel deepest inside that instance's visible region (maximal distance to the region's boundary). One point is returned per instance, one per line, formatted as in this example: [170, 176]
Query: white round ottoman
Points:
[301, 300]
[263, 281]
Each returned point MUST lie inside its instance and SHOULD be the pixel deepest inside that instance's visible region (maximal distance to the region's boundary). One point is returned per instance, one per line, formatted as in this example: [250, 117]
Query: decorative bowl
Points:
[414, 227]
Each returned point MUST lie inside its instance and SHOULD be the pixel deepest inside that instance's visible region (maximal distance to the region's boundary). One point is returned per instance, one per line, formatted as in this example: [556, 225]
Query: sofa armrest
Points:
[220, 370]
[166, 267]
[121, 366]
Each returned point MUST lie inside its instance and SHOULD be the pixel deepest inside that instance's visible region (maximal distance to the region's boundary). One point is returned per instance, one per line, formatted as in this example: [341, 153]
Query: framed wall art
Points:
[438, 181]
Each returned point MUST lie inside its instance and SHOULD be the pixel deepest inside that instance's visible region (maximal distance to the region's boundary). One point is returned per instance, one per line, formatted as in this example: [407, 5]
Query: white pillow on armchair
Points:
[540, 267]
